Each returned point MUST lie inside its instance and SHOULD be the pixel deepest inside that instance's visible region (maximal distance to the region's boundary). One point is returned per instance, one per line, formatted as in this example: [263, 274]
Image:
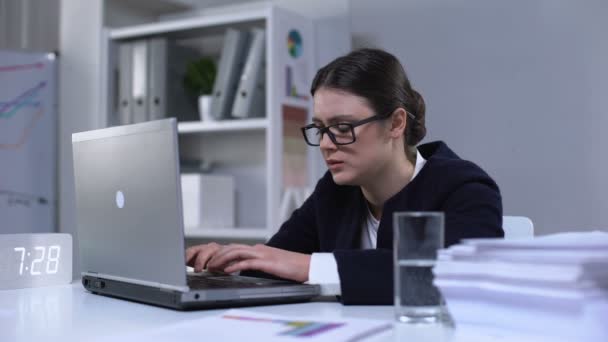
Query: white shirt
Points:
[323, 266]
[369, 233]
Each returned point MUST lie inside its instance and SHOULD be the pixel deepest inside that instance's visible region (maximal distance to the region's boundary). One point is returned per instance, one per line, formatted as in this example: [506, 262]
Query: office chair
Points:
[517, 227]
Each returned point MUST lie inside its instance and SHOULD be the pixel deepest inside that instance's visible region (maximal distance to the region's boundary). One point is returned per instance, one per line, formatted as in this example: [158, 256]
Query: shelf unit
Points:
[251, 150]
[222, 126]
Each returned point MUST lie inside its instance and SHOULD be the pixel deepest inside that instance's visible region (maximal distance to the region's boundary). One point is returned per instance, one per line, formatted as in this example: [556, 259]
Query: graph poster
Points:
[27, 142]
[297, 77]
[295, 172]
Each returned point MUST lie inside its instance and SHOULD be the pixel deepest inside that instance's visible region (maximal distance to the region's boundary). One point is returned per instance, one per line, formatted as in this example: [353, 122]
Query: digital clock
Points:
[35, 260]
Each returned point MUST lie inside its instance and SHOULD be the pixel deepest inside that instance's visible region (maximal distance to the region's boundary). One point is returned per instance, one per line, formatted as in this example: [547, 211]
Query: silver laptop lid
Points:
[128, 200]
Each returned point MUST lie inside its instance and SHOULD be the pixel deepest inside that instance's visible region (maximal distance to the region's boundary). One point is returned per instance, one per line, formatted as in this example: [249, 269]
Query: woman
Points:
[367, 122]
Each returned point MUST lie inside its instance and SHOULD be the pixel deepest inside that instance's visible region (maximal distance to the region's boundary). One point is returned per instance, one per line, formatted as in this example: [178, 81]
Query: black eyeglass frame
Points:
[326, 129]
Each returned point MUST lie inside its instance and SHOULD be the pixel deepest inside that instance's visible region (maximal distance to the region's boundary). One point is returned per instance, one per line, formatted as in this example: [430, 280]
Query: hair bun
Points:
[417, 127]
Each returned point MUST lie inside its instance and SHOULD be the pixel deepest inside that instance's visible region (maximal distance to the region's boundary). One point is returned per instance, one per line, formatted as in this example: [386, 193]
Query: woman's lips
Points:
[334, 164]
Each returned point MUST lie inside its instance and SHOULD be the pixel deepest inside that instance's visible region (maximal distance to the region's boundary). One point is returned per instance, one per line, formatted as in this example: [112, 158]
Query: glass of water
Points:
[417, 237]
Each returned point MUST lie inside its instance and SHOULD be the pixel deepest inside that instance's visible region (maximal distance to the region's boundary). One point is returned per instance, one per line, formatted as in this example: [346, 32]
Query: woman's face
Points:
[360, 162]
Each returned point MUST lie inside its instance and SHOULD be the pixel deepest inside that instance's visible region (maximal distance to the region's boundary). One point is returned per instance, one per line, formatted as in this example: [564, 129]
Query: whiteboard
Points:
[28, 150]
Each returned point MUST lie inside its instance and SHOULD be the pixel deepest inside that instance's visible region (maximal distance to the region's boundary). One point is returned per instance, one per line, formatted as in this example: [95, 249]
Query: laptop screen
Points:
[128, 202]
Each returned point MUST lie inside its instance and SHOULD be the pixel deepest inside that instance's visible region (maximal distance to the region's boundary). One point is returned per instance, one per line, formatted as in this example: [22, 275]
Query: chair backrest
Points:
[517, 227]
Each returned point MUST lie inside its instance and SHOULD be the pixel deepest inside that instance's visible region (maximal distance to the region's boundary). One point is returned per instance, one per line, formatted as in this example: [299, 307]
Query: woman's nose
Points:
[326, 142]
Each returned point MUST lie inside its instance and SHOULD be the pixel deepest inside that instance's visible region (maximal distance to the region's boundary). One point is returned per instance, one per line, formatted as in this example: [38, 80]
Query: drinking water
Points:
[416, 298]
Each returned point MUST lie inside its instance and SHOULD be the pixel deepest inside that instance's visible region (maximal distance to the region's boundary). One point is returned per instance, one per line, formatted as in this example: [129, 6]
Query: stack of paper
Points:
[555, 285]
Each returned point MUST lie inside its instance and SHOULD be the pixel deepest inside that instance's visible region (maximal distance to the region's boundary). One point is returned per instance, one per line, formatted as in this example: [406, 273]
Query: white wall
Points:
[517, 86]
[118, 13]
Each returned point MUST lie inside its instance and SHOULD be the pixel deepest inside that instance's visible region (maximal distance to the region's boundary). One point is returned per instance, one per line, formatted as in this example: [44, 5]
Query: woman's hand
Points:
[198, 256]
[275, 261]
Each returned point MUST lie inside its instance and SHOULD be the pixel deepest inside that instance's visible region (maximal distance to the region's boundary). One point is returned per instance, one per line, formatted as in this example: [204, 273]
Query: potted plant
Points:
[198, 81]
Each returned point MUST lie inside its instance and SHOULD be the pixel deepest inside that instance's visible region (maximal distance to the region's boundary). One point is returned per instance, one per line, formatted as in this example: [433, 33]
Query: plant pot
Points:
[204, 107]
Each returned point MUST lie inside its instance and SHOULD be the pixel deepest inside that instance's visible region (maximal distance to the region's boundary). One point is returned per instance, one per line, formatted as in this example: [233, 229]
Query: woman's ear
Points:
[398, 123]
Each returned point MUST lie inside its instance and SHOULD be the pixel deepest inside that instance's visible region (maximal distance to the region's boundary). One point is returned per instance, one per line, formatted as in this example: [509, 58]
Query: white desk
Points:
[69, 313]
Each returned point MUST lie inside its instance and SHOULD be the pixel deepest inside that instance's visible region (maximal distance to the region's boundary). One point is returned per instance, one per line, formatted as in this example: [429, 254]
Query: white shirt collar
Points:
[420, 161]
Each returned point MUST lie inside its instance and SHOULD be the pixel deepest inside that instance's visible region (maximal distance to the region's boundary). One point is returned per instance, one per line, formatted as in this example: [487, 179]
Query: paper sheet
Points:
[563, 241]
[243, 325]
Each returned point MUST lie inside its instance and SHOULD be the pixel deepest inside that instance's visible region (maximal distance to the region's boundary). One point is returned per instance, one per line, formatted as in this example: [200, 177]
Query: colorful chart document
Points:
[243, 325]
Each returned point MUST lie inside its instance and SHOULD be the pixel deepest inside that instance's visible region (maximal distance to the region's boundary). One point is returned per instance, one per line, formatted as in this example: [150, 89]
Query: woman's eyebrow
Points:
[335, 118]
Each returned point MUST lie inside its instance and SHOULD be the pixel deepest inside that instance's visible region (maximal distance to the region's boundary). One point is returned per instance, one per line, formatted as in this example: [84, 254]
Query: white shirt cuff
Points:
[324, 272]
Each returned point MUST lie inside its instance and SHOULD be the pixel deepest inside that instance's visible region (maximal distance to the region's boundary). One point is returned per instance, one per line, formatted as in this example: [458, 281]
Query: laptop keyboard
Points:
[207, 281]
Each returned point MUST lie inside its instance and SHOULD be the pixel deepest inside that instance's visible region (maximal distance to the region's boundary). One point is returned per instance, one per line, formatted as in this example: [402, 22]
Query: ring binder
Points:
[250, 98]
[230, 67]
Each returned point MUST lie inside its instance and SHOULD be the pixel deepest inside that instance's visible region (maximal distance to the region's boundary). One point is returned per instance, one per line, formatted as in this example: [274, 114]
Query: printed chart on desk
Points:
[299, 328]
[276, 328]
[28, 149]
[245, 325]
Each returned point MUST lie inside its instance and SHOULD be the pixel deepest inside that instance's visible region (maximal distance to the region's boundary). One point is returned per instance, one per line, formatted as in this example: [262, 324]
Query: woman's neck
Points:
[386, 183]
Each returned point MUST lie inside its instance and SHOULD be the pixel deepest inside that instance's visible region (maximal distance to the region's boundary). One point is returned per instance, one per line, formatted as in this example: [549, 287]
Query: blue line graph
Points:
[8, 115]
[28, 149]
[10, 108]
[20, 101]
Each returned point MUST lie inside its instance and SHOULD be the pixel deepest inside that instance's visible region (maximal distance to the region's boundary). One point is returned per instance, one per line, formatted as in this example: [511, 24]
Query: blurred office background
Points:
[520, 86]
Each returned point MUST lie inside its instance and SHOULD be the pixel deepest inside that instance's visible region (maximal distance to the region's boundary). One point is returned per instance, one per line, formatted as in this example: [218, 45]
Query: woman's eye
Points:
[343, 128]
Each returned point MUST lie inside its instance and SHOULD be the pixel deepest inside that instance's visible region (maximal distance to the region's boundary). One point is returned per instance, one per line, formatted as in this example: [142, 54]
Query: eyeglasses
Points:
[340, 133]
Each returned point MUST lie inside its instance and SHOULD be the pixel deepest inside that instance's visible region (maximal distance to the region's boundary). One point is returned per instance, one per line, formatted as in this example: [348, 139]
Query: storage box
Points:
[208, 201]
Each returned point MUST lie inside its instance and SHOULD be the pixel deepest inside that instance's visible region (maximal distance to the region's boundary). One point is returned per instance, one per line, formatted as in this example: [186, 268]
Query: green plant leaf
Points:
[200, 76]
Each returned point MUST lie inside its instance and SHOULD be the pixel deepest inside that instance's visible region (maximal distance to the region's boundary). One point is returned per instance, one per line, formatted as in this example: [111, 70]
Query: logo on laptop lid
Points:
[120, 199]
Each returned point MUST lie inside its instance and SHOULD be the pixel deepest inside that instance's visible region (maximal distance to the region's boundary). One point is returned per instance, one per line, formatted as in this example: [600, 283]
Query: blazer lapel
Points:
[385, 230]
[350, 227]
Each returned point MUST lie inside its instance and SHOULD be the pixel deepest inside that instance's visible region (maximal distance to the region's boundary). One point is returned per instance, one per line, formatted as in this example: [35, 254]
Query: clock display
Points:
[52, 259]
[32, 260]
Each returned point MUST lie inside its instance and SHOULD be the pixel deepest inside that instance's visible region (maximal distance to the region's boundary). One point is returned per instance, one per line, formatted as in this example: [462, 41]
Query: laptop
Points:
[130, 225]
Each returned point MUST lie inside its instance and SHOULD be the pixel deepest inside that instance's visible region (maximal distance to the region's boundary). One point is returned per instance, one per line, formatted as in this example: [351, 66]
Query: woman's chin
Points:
[342, 178]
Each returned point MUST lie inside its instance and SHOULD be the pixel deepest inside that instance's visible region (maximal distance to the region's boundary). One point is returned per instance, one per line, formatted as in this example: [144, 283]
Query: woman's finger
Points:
[251, 264]
[191, 253]
[227, 248]
[204, 256]
[221, 261]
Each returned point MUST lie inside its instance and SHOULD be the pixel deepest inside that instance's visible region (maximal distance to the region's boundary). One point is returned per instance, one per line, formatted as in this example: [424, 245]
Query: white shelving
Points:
[250, 150]
[162, 28]
[223, 126]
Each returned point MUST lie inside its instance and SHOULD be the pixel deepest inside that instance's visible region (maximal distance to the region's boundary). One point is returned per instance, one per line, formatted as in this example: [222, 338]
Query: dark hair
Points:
[378, 77]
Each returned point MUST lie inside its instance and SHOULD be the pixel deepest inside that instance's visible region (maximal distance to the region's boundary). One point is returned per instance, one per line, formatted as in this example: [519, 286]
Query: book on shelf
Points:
[125, 115]
[231, 64]
[157, 84]
[139, 81]
[250, 98]
[150, 73]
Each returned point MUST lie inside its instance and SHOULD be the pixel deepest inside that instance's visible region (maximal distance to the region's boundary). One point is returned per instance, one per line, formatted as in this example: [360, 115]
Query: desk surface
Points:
[69, 313]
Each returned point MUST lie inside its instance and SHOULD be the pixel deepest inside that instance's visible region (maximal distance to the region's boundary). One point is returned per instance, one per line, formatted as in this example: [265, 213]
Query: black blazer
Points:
[331, 219]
